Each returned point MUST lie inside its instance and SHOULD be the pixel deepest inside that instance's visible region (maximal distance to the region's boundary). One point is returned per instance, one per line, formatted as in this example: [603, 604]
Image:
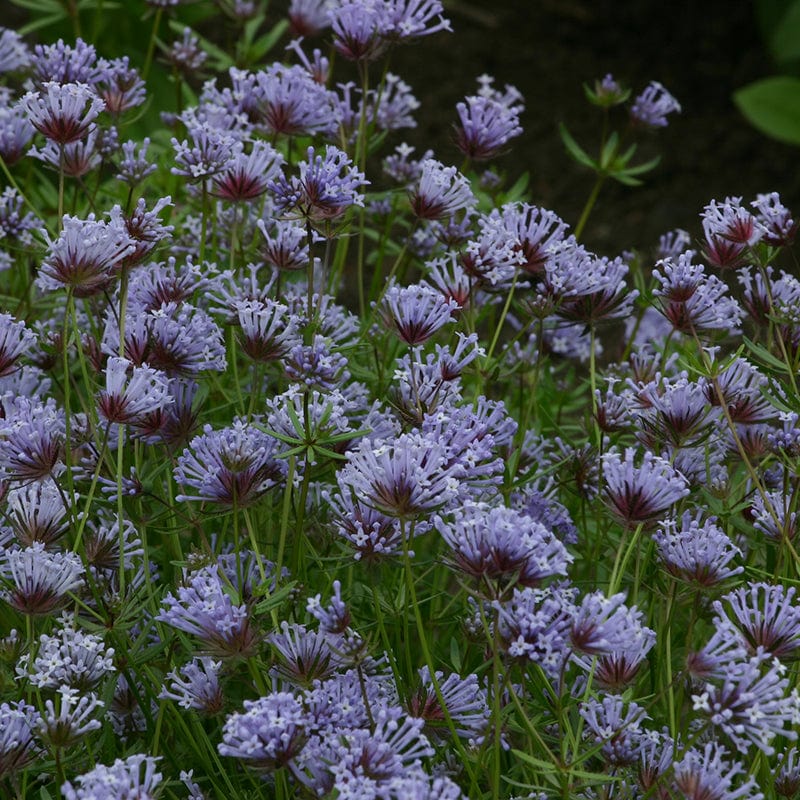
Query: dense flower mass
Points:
[330, 470]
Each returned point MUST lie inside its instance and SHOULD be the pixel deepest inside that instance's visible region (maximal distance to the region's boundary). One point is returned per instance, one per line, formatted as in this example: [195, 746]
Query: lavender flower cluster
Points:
[308, 484]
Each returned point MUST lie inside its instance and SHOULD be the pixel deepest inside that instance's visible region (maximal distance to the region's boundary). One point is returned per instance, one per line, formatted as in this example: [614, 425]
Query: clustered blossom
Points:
[472, 550]
[325, 188]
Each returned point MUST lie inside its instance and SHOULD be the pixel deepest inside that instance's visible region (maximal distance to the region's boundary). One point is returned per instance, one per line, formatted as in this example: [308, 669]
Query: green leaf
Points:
[784, 43]
[763, 355]
[609, 152]
[455, 655]
[575, 150]
[772, 106]
[266, 42]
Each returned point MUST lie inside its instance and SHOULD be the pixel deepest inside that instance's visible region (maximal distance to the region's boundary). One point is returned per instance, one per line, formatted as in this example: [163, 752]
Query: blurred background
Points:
[701, 52]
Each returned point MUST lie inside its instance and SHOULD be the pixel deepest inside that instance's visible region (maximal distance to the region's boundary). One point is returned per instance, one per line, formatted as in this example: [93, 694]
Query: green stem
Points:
[587, 209]
[423, 640]
[151, 46]
[502, 318]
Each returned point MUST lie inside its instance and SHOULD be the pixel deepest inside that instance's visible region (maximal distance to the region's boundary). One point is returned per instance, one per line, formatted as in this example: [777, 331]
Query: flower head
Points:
[326, 187]
[651, 107]
[64, 112]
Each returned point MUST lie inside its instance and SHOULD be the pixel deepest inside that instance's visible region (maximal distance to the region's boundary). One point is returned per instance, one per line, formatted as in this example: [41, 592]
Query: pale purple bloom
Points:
[85, 256]
[235, 465]
[268, 734]
[134, 166]
[39, 581]
[392, 107]
[729, 230]
[247, 175]
[316, 365]
[131, 391]
[404, 478]
[742, 388]
[310, 17]
[334, 618]
[285, 245]
[65, 63]
[450, 278]
[205, 608]
[144, 227]
[195, 686]
[15, 133]
[415, 313]
[36, 512]
[774, 516]
[767, 617]
[366, 761]
[268, 330]
[651, 107]
[502, 546]
[616, 725]
[441, 191]
[64, 113]
[766, 296]
[616, 670]
[178, 339]
[486, 126]
[371, 534]
[360, 28]
[132, 777]
[410, 19]
[708, 775]
[640, 494]
[464, 699]
[725, 648]
[186, 55]
[118, 84]
[775, 219]
[326, 187]
[749, 704]
[76, 159]
[400, 167]
[68, 657]
[69, 717]
[304, 655]
[32, 435]
[699, 553]
[210, 152]
[601, 295]
[494, 257]
[15, 340]
[18, 745]
[673, 243]
[535, 626]
[287, 100]
[536, 231]
[14, 53]
[607, 92]
[693, 301]
[601, 625]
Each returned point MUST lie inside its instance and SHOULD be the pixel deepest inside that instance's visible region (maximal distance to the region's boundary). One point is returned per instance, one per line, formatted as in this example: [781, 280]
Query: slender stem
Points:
[587, 209]
[622, 561]
[423, 640]
[502, 318]
[203, 220]
[60, 187]
[151, 46]
[287, 504]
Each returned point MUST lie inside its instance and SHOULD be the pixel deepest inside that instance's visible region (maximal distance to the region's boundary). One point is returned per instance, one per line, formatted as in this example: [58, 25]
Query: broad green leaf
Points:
[785, 40]
[575, 150]
[772, 106]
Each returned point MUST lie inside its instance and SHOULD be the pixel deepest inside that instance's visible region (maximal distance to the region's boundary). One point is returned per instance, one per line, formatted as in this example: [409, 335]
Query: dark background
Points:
[701, 52]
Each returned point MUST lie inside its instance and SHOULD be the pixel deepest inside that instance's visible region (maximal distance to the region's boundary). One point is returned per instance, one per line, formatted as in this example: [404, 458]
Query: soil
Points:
[548, 49]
